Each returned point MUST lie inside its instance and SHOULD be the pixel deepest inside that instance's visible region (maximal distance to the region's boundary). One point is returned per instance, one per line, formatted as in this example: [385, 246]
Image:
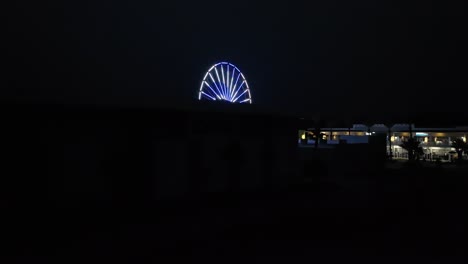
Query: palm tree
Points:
[413, 148]
[389, 138]
[460, 146]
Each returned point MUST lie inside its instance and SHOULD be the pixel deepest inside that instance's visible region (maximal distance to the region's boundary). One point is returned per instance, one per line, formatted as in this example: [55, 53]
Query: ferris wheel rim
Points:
[225, 88]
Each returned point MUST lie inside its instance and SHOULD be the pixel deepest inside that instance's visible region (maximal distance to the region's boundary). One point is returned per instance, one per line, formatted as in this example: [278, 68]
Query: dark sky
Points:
[311, 56]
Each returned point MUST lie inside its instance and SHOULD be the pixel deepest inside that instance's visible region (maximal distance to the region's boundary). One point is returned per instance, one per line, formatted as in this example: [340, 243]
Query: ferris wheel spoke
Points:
[227, 82]
[224, 82]
[238, 89]
[220, 83]
[212, 90]
[240, 96]
[217, 88]
[232, 79]
[235, 85]
[209, 96]
[225, 86]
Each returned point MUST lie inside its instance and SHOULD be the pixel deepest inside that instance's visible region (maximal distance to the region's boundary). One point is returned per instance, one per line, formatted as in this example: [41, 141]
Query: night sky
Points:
[334, 56]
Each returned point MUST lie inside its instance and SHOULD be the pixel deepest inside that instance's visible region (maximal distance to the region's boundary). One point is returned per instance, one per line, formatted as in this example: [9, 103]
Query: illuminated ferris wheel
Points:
[225, 82]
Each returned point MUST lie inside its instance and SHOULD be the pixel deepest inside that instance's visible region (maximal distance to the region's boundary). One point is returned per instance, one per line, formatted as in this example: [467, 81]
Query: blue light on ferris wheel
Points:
[219, 85]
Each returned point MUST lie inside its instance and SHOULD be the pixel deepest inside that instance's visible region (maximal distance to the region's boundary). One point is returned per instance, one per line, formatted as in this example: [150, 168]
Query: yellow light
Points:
[303, 136]
[392, 138]
[464, 139]
[425, 139]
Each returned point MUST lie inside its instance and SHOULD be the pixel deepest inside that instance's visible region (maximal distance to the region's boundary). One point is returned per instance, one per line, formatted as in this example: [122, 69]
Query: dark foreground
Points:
[400, 217]
[141, 186]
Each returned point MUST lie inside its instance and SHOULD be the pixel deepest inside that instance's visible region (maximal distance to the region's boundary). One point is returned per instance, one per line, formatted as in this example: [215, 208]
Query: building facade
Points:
[436, 143]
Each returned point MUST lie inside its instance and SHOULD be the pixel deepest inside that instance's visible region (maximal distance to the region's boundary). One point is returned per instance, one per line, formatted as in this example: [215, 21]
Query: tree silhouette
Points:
[460, 146]
[389, 138]
[413, 148]
[318, 132]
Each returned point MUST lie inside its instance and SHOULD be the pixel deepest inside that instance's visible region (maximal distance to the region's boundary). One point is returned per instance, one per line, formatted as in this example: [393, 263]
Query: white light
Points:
[224, 87]
[232, 79]
[219, 91]
[235, 85]
[212, 90]
[248, 88]
[224, 82]
[240, 95]
[208, 96]
[242, 84]
[201, 86]
[217, 75]
[227, 81]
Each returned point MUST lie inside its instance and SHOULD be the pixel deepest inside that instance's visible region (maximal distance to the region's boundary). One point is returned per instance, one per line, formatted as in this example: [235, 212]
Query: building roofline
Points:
[416, 129]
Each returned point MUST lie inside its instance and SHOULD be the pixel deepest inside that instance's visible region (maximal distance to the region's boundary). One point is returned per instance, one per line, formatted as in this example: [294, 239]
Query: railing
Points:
[427, 157]
[400, 155]
[443, 144]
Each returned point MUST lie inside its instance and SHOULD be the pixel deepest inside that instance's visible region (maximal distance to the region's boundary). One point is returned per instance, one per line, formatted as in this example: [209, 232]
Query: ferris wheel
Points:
[225, 82]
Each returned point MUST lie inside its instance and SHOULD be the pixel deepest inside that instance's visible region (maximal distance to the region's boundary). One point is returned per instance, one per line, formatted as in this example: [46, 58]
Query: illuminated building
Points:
[435, 142]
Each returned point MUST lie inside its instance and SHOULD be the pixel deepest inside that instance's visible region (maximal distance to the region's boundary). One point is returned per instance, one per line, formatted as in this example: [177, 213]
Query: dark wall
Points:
[74, 155]
[344, 165]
